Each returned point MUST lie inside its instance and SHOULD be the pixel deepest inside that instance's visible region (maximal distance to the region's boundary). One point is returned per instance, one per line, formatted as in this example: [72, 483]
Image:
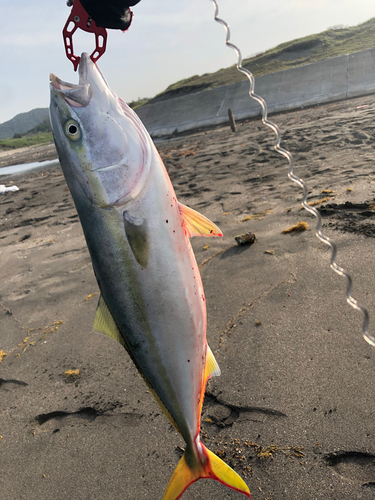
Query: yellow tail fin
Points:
[213, 468]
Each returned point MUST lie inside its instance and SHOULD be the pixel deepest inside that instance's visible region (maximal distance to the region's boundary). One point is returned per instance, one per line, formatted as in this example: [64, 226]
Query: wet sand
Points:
[293, 411]
[28, 155]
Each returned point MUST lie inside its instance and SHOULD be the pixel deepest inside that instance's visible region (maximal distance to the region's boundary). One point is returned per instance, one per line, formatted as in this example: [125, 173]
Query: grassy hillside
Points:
[333, 42]
[23, 122]
[40, 134]
[31, 140]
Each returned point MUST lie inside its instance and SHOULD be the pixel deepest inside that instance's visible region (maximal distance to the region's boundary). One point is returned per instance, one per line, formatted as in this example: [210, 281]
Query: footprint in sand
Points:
[354, 465]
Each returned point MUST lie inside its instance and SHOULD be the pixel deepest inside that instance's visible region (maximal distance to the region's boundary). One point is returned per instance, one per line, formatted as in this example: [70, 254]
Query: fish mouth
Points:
[77, 96]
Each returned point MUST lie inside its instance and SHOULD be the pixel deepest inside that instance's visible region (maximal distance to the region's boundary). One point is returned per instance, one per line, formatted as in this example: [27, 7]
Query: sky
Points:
[168, 40]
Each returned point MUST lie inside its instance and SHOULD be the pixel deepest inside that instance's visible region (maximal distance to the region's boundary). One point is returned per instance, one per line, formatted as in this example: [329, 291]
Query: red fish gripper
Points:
[80, 19]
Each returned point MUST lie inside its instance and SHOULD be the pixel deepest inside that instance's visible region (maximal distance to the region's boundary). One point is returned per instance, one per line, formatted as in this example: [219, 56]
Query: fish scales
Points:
[150, 311]
[152, 299]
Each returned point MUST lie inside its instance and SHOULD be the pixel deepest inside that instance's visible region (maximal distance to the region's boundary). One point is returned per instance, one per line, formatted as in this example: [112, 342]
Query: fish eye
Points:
[72, 130]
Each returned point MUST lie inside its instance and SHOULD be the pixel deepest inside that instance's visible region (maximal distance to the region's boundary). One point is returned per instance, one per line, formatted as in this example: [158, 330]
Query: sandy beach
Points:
[28, 155]
[293, 411]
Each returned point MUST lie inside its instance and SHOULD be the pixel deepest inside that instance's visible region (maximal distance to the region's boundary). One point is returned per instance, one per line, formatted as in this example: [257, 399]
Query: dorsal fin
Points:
[197, 224]
[104, 323]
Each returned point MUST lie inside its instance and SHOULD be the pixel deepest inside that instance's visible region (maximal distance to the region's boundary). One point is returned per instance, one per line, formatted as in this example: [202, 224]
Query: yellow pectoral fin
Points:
[104, 323]
[197, 224]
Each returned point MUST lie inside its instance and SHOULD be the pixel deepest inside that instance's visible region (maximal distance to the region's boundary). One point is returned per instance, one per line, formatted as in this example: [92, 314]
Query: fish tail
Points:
[210, 467]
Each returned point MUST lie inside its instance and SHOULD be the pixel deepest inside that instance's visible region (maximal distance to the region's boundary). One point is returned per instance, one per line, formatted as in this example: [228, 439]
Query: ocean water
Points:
[28, 167]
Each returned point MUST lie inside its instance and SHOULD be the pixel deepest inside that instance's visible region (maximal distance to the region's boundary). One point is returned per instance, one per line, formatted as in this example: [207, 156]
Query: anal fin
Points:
[212, 369]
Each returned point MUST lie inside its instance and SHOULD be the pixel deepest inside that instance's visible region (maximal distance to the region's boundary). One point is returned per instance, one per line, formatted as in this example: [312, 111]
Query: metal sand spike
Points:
[283, 152]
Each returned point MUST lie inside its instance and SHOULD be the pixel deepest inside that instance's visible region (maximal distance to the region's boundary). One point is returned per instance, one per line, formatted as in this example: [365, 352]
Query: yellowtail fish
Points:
[152, 300]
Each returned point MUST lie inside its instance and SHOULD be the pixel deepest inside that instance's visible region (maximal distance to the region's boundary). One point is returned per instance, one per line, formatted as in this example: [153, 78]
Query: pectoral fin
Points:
[197, 224]
[137, 235]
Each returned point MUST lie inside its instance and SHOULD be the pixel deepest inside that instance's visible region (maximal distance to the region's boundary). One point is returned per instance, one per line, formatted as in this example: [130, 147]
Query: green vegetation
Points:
[30, 140]
[23, 122]
[139, 102]
[45, 126]
[38, 135]
[333, 42]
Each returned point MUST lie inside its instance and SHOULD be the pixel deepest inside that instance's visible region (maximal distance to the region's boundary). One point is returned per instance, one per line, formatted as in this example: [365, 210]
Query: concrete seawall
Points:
[333, 79]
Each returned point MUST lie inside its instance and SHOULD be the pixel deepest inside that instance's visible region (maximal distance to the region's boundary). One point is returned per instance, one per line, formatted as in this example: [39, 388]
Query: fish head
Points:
[102, 145]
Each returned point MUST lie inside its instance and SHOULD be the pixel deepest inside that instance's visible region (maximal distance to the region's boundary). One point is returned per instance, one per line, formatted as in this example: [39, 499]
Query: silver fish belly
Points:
[152, 300]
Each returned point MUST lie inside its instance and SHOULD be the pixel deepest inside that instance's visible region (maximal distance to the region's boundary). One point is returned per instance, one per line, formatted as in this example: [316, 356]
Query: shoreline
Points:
[31, 154]
[292, 410]
[48, 152]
